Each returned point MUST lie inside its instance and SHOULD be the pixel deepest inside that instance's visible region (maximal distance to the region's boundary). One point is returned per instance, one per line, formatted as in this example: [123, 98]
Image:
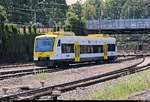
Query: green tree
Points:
[89, 11]
[22, 11]
[72, 23]
[74, 20]
[3, 15]
[53, 11]
[111, 9]
[134, 10]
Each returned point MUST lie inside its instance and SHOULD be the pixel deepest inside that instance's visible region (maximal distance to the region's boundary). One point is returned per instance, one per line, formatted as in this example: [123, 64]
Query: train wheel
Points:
[106, 61]
[50, 67]
[63, 65]
[99, 62]
[110, 61]
[66, 65]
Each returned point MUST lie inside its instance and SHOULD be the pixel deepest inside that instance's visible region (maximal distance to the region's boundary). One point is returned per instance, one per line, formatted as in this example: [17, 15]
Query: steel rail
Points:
[18, 73]
[32, 64]
[14, 66]
[64, 86]
[27, 72]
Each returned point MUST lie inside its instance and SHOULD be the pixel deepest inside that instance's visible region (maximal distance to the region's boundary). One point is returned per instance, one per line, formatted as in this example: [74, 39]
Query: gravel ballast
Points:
[33, 81]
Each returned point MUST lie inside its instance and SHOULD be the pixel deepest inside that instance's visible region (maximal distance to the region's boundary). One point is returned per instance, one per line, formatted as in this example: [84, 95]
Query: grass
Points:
[124, 87]
[40, 75]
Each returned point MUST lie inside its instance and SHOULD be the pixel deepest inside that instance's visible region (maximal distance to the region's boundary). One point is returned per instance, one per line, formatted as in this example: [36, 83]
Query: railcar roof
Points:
[41, 36]
[85, 37]
[73, 36]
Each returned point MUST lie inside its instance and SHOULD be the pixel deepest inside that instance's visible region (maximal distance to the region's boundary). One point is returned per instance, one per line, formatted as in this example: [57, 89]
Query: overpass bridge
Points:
[121, 26]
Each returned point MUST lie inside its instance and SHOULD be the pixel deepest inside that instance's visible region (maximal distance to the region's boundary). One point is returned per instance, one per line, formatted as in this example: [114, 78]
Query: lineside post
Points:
[4, 90]
[55, 94]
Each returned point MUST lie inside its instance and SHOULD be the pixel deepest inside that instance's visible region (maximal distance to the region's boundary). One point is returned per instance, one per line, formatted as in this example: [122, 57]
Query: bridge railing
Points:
[119, 24]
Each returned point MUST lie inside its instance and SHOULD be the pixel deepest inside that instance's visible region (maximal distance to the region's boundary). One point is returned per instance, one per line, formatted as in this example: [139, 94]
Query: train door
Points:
[77, 52]
[105, 49]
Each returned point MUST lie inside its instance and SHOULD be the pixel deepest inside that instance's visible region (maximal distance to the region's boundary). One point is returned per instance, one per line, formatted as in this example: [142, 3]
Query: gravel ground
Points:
[86, 93]
[33, 81]
[145, 95]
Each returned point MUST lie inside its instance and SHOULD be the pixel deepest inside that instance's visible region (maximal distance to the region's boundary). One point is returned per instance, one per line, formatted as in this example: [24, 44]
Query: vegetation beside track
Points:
[125, 87]
[14, 45]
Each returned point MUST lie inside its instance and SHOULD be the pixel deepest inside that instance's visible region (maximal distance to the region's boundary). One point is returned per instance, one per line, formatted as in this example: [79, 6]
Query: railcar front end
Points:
[44, 50]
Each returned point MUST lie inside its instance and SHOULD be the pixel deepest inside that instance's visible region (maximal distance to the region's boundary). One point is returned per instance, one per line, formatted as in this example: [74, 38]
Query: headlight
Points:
[35, 58]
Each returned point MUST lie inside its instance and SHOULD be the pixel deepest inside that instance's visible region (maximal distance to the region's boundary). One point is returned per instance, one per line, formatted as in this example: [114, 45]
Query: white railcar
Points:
[72, 49]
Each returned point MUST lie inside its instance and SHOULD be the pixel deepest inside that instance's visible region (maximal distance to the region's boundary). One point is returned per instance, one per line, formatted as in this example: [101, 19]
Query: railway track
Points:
[17, 65]
[32, 64]
[55, 90]
[22, 72]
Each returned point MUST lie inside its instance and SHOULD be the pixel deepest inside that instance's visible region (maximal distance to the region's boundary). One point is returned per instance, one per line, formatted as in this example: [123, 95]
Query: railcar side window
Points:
[83, 49]
[111, 47]
[99, 49]
[91, 49]
[67, 48]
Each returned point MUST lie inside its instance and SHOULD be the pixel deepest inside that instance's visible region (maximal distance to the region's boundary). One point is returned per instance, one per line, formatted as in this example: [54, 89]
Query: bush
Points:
[14, 44]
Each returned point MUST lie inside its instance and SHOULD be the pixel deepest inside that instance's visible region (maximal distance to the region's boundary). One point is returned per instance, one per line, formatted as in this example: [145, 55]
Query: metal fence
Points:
[118, 24]
[26, 29]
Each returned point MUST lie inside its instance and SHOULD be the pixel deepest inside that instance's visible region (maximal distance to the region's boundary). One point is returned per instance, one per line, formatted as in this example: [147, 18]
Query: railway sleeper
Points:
[52, 93]
[6, 89]
[55, 94]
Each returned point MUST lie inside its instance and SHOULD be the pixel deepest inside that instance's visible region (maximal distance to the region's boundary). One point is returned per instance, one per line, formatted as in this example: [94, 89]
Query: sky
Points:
[69, 2]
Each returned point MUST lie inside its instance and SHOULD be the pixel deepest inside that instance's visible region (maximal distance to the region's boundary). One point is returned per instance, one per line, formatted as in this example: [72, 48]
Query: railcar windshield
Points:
[44, 44]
